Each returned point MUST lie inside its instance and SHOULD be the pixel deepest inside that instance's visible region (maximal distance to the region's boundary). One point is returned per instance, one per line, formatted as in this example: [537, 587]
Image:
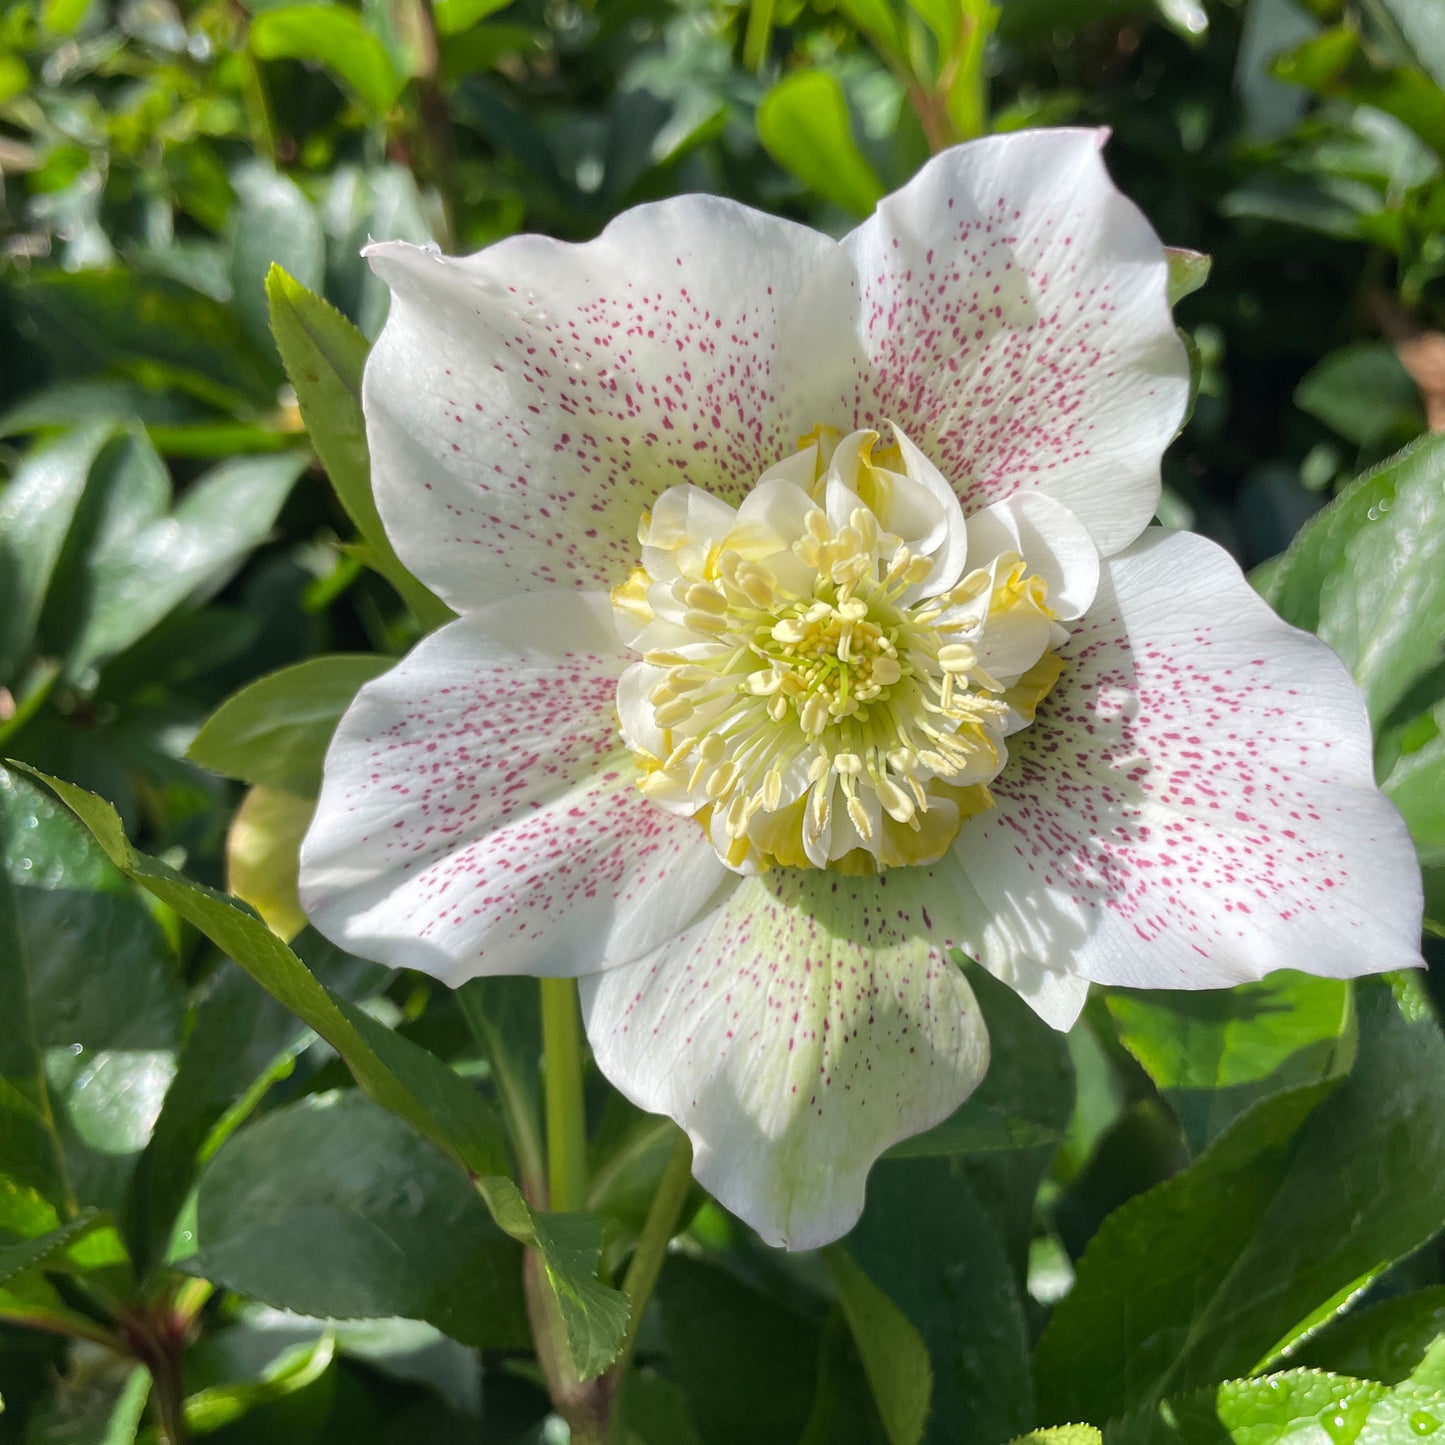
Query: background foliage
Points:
[1199, 1218]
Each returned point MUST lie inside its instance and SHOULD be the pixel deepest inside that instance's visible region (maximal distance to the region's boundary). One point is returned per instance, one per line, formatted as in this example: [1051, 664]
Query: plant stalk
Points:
[566, 1117]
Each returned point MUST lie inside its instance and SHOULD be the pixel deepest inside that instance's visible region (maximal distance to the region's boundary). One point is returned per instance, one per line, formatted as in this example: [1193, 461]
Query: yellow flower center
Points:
[809, 686]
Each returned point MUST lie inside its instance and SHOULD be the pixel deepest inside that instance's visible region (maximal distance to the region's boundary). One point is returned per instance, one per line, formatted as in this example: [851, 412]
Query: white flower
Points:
[810, 629]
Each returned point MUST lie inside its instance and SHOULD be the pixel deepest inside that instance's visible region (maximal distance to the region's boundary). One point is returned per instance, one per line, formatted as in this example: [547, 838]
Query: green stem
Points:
[657, 1232]
[566, 1117]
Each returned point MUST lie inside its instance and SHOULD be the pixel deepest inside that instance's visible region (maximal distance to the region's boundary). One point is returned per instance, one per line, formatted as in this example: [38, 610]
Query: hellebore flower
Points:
[810, 629]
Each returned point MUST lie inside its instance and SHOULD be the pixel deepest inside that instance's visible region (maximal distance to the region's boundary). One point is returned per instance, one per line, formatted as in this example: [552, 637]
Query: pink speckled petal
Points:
[804, 1026]
[1014, 311]
[526, 404]
[1195, 805]
[478, 815]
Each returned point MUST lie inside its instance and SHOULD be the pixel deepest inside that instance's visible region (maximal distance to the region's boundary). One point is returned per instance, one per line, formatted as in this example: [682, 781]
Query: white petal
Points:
[526, 404]
[478, 815]
[796, 1033]
[1048, 536]
[1015, 315]
[1195, 804]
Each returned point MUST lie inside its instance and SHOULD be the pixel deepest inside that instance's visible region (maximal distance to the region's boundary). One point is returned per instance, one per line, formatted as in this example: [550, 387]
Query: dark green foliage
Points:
[305, 1185]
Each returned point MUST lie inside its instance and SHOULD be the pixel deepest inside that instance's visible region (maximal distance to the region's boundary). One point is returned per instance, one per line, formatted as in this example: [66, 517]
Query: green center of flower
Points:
[811, 685]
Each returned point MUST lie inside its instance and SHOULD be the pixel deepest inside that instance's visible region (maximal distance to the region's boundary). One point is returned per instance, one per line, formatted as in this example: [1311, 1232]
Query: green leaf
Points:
[844, 1412]
[397, 1074]
[92, 1005]
[1422, 24]
[1363, 393]
[1188, 271]
[134, 563]
[273, 224]
[242, 1041]
[1215, 1052]
[594, 1315]
[719, 1331]
[377, 1223]
[102, 1404]
[804, 124]
[455, 16]
[1299, 1407]
[63, 17]
[1061, 1435]
[28, 1254]
[1337, 64]
[324, 355]
[504, 1015]
[1384, 1341]
[292, 1371]
[1293, 1209]
[1416, 784]
[335, 38]
[156, 330]
[1368, 574]
[275, 731]
[36, 510]
[926, 1232]
[894, 1356]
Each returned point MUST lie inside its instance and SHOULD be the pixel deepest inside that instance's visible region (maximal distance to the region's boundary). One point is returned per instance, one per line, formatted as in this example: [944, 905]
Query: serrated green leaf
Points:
[804, 124]
[1297, 1205]
[377, 1224]
[594, 1315]
[15, 1259]
[335, 38]
[894, 1356]
[1061, 1435]
[324, 355]
[275, 731]
[1384, 1341]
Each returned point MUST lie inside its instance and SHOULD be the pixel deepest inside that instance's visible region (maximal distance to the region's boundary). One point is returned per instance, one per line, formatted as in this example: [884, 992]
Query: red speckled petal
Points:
[478, 816]
[1014, 310]
[803, 1027]
[526, 404]
[1195, 805]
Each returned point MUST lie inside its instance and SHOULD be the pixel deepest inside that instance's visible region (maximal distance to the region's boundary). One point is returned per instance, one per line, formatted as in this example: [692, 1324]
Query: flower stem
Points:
[652, 1244]
[566, 1117]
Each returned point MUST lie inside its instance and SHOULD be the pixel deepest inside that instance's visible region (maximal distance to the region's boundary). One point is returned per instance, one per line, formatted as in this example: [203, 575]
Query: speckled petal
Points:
[1014, 311]
[1195, 805]
[477, 815]
[526, 404]
[795, 1033]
